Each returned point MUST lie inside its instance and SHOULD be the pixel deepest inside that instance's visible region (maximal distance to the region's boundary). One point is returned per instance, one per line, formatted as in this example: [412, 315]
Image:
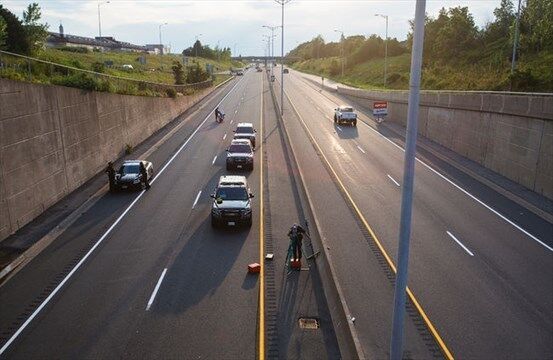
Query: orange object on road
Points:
[254, 268]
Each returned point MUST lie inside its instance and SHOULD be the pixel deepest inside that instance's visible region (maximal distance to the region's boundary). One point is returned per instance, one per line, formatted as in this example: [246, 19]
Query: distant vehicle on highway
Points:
[231, 202]
[285, 71]
[240, 155]
[129, 178]
[240, 72]
[259, 69]
[245, 131]
[345, 114]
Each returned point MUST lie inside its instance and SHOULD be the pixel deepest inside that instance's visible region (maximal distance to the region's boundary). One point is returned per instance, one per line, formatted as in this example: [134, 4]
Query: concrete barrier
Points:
[509, 133]
[54, 138]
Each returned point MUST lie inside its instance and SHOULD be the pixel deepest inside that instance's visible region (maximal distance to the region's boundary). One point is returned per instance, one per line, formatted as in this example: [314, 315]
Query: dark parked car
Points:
[129, 178]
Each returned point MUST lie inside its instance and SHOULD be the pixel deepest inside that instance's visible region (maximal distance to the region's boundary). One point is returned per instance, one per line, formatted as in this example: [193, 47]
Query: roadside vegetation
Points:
[27, 37]
[457, 54]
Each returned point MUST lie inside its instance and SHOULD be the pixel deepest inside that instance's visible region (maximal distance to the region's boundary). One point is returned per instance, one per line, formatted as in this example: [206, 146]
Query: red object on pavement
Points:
[254, 268]
[295, 264]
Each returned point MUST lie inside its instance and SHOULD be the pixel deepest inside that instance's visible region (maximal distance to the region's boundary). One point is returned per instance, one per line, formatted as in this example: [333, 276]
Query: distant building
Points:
[103, 43]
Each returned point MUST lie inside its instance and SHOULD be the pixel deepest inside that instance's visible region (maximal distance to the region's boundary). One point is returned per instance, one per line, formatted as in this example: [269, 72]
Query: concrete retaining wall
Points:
[511, 134]
[54, 138]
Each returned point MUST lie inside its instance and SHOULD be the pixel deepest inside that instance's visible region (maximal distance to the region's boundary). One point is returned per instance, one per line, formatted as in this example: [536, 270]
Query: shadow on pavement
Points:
[347, 132]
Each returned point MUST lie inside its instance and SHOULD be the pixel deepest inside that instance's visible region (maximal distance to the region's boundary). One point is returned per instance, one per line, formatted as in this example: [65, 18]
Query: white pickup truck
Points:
[345, 114]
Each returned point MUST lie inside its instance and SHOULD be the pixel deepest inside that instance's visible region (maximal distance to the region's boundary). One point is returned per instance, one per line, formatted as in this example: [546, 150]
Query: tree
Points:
[3, 33]
[536, 26]
[196, 74]
[36, 32]
[16, 39]
[178, 72]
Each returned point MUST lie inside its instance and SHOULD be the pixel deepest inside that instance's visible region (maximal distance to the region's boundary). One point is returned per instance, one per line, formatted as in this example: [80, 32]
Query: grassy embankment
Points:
[157, 69]
[479, 73]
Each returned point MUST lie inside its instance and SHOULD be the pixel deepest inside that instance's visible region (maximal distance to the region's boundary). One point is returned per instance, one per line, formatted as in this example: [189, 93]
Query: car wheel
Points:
[214, 222]
[249, 222]
[335, 119]
[251, 167]
[354, 123]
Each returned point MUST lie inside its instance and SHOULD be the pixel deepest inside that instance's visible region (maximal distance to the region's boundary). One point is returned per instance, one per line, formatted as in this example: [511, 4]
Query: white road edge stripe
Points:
[393, 180]
[460, 243]
[81, 262]
[156, 289]
[197, 198]
[363, 151]
[467, 193]
[215, 158]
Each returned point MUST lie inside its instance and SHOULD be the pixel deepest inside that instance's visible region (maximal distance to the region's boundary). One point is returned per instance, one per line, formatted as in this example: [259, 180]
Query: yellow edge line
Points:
[437, 336]
[261, 239]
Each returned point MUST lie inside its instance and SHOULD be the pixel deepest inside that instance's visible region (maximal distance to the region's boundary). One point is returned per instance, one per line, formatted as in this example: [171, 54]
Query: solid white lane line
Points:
[154, 293]
[224, 136]
[108, 231]
[393, 180]
[363, 151]
[197, 198]
[232, 121]
[339, 128]
[467, 193]
[460, 243]
[215, 158]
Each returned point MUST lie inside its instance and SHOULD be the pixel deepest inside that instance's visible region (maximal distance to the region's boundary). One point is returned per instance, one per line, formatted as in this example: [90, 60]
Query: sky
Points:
[238, 24]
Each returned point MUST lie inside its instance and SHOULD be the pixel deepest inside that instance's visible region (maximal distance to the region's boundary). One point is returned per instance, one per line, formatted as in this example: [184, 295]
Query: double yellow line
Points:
[421, 311]
[261, 323]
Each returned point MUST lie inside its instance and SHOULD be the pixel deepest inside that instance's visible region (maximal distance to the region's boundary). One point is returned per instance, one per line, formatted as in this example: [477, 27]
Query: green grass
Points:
[484, 71]
[157, 68]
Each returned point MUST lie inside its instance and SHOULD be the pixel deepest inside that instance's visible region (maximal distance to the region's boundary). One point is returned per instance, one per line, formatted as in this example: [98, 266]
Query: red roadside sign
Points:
[380, 108]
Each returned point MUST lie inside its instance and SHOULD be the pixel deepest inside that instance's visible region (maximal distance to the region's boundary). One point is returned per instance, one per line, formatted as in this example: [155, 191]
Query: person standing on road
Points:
[111, 176]
[144, 176]
[296, 236]
[217, 113]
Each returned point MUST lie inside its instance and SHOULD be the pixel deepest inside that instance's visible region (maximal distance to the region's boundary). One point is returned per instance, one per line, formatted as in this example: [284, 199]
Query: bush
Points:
[172, 93]
[98, 67]
[75, 49]
[79, 80]
[128, 149]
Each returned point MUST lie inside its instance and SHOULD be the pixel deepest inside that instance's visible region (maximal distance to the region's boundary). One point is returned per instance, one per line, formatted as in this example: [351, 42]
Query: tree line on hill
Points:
[206, 52]
[451, 38]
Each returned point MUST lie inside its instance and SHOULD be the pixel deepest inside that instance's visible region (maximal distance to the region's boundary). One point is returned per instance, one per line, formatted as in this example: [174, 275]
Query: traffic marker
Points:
[254, 268]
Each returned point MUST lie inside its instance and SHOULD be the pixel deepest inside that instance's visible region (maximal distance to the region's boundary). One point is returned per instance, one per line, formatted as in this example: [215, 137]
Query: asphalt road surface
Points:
[144, 274]
[482, 278]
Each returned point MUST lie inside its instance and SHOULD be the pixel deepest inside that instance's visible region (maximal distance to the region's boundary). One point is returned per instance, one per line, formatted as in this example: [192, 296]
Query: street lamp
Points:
[160, 42]
[342, 48]
[272, 55]
[282, 3]
[197, 37]
[99, 21]
[385, 47]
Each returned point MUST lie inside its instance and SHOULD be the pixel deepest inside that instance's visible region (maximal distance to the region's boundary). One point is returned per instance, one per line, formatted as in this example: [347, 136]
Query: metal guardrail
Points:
[33, 69]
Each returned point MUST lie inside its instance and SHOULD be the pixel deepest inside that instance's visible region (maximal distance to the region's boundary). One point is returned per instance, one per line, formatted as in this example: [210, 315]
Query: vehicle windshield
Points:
[244, 130]
[346, 109]
[240, 149]
[232, 193]
[129, 169]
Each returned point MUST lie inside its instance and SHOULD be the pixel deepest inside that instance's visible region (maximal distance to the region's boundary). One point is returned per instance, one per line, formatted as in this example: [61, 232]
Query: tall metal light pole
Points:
[385, 48]
[396, 344]
[99, 20]
[513, 61]
[282, 3]
[341, 48]
[272, 28]
[160, 42]
[197, 37]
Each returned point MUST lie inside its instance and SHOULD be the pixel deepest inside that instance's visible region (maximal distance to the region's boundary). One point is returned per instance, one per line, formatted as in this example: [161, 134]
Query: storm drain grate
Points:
[308, 323]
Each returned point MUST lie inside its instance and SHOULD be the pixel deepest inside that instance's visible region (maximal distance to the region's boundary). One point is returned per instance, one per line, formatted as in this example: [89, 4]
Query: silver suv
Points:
[245, 131]
[231, 202]
[240, 155]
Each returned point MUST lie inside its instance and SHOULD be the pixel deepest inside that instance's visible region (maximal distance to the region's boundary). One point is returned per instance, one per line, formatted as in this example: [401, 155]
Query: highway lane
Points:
[101, 310]
[503, 280]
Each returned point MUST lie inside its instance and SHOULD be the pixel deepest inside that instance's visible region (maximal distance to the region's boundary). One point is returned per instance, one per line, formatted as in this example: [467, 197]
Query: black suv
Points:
[232, 202]
[240, 155]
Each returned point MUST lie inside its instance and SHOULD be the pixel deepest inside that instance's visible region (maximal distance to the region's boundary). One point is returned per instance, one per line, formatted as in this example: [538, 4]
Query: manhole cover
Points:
[308, 323]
